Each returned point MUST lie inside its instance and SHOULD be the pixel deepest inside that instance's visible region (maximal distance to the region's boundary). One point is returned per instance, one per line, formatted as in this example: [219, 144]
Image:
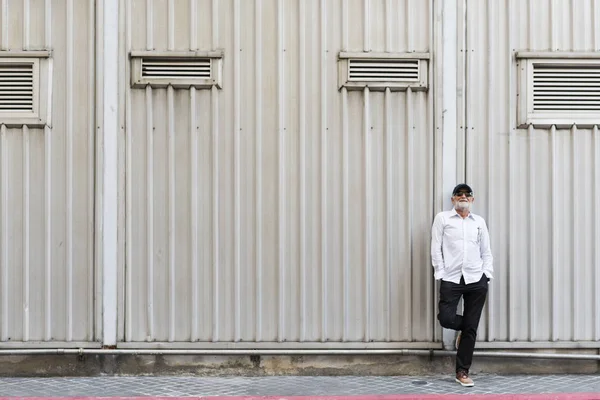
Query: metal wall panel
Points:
[47, 182]
[538, 188]
[278, 209]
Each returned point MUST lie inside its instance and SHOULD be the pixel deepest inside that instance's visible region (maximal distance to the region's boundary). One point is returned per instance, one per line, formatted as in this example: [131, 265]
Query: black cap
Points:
[462, 187]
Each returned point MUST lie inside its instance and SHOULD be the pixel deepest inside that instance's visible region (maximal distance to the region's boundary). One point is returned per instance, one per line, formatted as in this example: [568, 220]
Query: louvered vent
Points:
[169, 68]
[390, 70]
[566, 87]
[16, 87]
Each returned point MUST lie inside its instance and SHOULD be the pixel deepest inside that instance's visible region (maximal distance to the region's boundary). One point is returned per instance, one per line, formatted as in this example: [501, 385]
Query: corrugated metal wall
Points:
[538, 188]
[278, 209]
[47, 182]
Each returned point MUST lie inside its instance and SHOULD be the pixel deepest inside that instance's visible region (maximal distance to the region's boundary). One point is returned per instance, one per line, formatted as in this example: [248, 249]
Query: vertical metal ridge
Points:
[596, 232]
[555, 212]
[236, 168]
[128, 318]
[4, 229]
[368, 211]
[108, 175]
[388, 210]
[91, 166]
[573, 24]
[302, 134]
[149, 25]
[462, 61]
[26, 23]
[345, 217]
[215, 178]
[47, 23]
[69, 171]
[193, 25]
[215, 188]
[511, 184]
[435, 120]
[324, 231]
[282, 169]
[150, 211]
[410, 184]
[26, 243]
[432, 162]
[532, 222]
[575, 239]
[388, 25]
[367, 27]
[194, 212]
[215, 24]
[596, 17]
[48, 188]
[345, 186]
[172, 228]
[194, 336]
[532, 238]
[552, 25]
[258, 160]
[344, 25]
[530, 27]
[490, 153]
[4, 26]
[467, 78]
[409, 26]
[171, 23]
[48, 235]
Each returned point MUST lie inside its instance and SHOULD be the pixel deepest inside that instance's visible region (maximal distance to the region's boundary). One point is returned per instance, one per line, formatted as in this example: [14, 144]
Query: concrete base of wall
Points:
[378, 365]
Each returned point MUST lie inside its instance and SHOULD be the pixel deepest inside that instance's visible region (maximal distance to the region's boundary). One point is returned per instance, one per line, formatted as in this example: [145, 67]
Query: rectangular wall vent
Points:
[165, 68]
[383, 70]
[564, 87]
[16, 87]
[178, 69]
[558, 88]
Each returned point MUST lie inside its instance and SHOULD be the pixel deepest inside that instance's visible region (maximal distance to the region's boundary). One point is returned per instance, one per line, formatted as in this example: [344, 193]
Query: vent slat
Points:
[165, 68]
[14, 97]
[383, 70]
[576, 91]
[13, 84]
[566, 87]
[16, 87]
[169, 73]
[568, 108]
[176, 68]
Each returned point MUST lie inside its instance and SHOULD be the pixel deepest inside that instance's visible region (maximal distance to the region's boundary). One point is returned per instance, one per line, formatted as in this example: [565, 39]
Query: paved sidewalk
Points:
[367, 387]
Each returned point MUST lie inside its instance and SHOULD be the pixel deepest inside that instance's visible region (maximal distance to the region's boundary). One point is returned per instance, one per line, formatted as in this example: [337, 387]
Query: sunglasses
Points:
[460, 194]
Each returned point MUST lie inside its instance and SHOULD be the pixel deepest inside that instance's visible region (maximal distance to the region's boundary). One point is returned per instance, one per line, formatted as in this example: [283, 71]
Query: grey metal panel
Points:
[47, 181]
[536, 187]
[278, 208]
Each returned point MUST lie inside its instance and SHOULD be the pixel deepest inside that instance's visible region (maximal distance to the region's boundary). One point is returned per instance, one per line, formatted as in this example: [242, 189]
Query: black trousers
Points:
[474, 295]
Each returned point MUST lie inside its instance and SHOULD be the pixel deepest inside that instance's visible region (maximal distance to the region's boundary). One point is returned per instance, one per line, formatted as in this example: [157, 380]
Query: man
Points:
[462, 259]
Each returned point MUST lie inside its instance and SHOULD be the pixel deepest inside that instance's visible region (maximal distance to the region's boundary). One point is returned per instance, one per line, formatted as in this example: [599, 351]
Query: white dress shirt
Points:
[460, 247]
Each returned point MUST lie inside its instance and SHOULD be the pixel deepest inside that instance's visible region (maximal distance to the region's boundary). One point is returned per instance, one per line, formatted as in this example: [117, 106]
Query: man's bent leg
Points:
[449, 296]
[474, 299]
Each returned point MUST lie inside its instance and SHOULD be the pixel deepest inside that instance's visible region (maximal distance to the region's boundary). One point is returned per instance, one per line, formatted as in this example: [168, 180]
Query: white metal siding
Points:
[538, 188]
[278, 208]
[47, 182]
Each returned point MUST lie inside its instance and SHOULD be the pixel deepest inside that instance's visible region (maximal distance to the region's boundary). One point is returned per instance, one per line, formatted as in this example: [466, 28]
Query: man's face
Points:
[462, 200]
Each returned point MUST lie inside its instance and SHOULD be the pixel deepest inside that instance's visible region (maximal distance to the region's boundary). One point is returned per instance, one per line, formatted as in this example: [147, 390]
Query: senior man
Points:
[462, 259]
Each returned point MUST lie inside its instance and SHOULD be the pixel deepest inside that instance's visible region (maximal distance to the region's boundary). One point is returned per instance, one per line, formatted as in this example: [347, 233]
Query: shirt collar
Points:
[455, 213]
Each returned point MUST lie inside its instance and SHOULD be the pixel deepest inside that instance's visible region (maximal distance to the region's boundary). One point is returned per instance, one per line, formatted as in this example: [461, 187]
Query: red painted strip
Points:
[547, 396]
